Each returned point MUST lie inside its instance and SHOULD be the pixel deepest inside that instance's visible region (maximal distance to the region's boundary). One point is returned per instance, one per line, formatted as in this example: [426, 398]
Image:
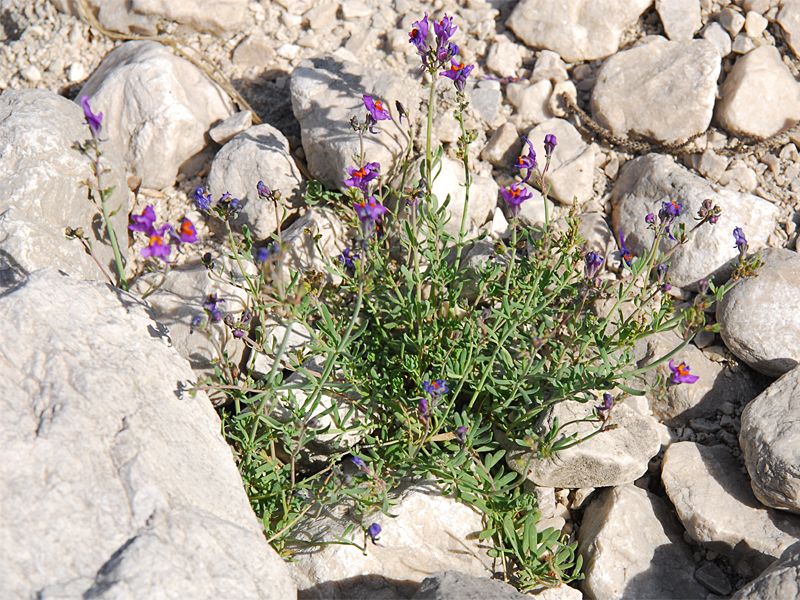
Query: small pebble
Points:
[31, 73]
[76, 72]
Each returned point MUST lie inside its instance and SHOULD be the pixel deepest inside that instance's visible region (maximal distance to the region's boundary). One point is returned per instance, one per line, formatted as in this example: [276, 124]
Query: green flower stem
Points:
[655, 363]
[112, 236]
[429, 133]
[235, 252]
[463, 142]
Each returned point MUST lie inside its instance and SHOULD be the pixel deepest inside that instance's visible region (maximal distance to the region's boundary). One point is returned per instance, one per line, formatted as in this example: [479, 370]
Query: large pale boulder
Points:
[632, 548]
[326, 93]
[428, 533]
[116, 481]
[260, 153]
[760, 317]
[646, 182]
[576, 29]
[617, 456]
[638, 90]
[770, 441]
[759, 78]
[158, 108]
[43, 181]
[716, 506]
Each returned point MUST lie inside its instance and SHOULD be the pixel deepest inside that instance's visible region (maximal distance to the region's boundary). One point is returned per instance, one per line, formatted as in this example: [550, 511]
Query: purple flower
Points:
[709, 211]
[202, 201]
[444, 30]
[264, 253]
[359, 463]
[624, 253]
[376, 109]
[461, 434]
[263, 191]
[593, 263]
[360, 178]
[458, 72]
[157, 246]
[738, 236]
[370, 209]
[95, 121]
[373, 531]
[670, 210]
[527, 161]
[418, 36]
[437, 387]
[423, 408]
[348, 258]
[681, 373]
[143, 222]
[515, 195]
[550, 143]
[212, 307]
[650, 219]
[607, 405]
[186, 234]
[196, 321]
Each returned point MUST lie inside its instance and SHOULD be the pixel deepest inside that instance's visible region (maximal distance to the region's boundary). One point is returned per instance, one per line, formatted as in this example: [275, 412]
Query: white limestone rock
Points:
[638, 90]
[326, 93]
[632, 547]
[430, 533]
[716, 506]
[231, 127]
[789, 20]
[760, 317]
[715, 34]
[576, 29]
[531, 102]
[42, 178]
[646, 182]
[614, 457]
[770, 442]
[571, 173]
[759, 78]
[681, 18]
[259, 154]
[116, 480]
[482, 197]
[158, 108]
[780, 581]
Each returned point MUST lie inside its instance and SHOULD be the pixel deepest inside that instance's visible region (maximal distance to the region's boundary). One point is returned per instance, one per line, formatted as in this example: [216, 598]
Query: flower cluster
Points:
[442, 54]
[162, 238]
[226, 207]
[517, 193]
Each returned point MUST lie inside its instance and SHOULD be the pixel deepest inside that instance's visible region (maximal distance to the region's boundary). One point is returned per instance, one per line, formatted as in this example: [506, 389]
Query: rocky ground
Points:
[695, 495]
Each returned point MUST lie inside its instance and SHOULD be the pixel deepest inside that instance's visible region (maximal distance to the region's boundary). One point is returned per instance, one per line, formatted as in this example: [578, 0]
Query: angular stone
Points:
[637, 90]
[615, 457]
[770, 442]
[114, 15]
[452, 585]
[789, 20]
[760, 316]
[646, 182]
[716, 506]
[632, 547]
[231, 127]
[755, 24]
[571, 173]
[178, 299]
[677, 404]
[759, 78]
[715, 34]
[43, 182]
[779, 582]
[255, 50]
[485, 99]
[532, 102]
[430, 533]
[504, 57]
[503, 147]
[158, 108]
[681, 18]
[326, 94]
[260, 153]
[549, 66]
[713, 578]
[313, 242]
[116, 480]
[731, 20]
[576, 29]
